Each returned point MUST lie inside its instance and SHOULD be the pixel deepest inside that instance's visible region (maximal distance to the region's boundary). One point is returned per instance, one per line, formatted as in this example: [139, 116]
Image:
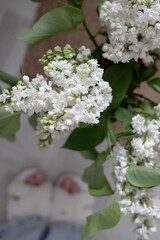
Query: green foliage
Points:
[93, 154]
[56, 21]
[9, 123]
[142, 75]
[136, 78]
[119, 77]
[76, 3]
[9, 79]
[112, 134]
[143, 177]
[148, 108]
[104, 219]
[90, 154]
[146, 73]
[33, 120]
[128, 135]
[102, 157]
[105, 190]
[94, 176]
[155, 84]
[132, 100]
[125, 116]
[10, 137]
[85, 138]
[85, 125]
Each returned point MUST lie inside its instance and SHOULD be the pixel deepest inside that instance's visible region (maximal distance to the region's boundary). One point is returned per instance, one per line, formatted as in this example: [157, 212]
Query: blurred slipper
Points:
[29, 194]
[72, 202]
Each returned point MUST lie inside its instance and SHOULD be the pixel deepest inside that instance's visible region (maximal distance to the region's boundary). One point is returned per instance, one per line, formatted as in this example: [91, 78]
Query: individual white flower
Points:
[132, 28]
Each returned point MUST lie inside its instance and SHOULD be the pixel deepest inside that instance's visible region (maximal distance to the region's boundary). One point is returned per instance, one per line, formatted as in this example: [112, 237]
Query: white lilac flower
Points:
[71, 92]
[133, 28]
[143, 148]
[141, 205]
[138, 124]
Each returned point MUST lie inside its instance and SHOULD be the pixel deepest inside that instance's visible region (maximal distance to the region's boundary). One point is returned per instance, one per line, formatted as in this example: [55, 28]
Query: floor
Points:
[16, 18]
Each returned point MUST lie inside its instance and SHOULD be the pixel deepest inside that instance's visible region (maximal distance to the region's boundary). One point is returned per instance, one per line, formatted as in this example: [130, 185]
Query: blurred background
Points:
[16, 58]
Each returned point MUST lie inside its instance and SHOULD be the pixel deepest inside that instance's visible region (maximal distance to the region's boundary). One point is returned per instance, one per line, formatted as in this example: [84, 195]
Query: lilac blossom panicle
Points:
[72, 91]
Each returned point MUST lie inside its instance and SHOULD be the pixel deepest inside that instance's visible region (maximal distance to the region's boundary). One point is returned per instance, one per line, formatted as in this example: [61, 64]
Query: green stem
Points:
[90, 34]
[110, 150]
[141, 96]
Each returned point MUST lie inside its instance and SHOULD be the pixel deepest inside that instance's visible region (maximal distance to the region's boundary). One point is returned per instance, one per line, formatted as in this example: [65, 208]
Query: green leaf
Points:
[9, 79]
[9, 123]
[0, 91]
[104, 219]
[125, 116]
[148, 108]
[90, 154]
[155, 84]
[56, 21]
[105, 190]
[128, 135]
[136, 78]
[85, 125]
[33, 120]
[119, 77]
[143, 177]
[94, 176]
[85, 138]
[146, 73]
[102, 157]
[132, 101]
[76, 3]
[10, 138]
